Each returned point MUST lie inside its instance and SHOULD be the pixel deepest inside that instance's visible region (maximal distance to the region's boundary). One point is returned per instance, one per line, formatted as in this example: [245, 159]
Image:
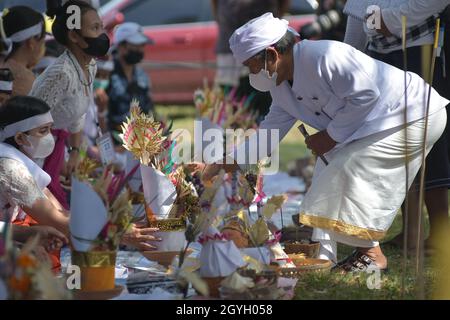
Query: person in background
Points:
[52, 51]
[230, 15]
[22, 43]
[128, 80]
[6, 85]
[343, 93]
[67, 85]
[383, 45]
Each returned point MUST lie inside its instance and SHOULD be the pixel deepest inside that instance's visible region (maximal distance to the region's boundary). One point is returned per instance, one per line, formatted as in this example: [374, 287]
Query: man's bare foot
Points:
[376, 255]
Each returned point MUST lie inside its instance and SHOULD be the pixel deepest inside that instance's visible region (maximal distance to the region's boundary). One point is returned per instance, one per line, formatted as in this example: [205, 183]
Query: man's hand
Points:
[213, 170]
[101, 100]
[384, 30]
[320, 143]
[139, 236]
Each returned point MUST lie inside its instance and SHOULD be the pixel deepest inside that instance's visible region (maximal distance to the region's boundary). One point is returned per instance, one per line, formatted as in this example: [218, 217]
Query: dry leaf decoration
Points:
[142, 135]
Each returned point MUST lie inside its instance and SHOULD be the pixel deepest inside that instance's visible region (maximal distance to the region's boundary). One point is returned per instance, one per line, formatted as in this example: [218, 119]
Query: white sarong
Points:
[355, 199]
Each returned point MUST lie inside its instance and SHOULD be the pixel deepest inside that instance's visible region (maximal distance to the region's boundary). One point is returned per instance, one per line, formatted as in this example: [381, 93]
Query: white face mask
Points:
[40, 148]
[262, 81]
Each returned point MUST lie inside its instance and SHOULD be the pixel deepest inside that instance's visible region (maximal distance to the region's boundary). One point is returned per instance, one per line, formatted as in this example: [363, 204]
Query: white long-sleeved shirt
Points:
[339, 89]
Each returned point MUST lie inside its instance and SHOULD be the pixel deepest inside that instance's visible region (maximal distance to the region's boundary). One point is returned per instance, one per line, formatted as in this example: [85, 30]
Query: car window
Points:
[159, 12]
[38, 5]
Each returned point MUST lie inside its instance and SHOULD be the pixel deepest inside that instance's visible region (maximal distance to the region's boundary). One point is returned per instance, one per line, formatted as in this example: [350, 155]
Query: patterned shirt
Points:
[121, 93]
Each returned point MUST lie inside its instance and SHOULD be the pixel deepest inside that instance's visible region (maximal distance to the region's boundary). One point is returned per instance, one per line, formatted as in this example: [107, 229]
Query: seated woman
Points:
[25, 136]
[22, 42]
[24, 199]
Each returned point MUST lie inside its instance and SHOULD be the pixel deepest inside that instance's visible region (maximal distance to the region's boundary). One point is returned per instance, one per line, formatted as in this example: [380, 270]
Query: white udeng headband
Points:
[20, 36]
[6, 85]
[25, 125]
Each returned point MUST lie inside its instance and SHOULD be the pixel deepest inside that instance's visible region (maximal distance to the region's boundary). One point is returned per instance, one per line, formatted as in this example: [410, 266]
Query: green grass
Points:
[333, 286]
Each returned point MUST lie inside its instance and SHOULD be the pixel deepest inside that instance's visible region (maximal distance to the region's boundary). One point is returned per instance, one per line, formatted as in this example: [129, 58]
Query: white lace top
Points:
[17, 188]
[67, 91]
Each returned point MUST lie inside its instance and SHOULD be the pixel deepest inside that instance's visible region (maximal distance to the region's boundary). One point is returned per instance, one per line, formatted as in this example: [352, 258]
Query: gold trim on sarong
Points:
[94, 259]
[341, 227]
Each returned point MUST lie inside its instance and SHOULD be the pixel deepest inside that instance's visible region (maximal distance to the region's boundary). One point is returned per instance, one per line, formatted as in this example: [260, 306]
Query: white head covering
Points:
[257, 35]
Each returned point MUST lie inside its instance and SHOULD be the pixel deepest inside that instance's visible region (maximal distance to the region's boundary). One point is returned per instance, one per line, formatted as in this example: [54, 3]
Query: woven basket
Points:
[304, 265]
[310, 250]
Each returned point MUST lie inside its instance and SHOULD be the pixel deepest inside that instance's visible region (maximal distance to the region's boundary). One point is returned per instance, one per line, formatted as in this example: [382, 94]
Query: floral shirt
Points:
[121, 92]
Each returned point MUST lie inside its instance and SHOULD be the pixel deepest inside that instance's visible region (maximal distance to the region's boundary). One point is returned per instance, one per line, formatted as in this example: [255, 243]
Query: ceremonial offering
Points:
[146, 282]
[164, 258]
[142, 135]
[219, 258]
[100, 216]
[225, 109]
[249, 285]
[146, 140]
[303, 264]
[23, 276]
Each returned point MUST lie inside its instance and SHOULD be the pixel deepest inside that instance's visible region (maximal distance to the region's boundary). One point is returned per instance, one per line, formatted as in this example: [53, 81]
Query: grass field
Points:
[333, 286]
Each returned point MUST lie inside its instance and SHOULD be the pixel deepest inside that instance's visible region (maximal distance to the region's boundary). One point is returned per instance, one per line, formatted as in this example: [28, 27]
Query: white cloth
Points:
[159, 191]
[60, 85]
[346, 94]
[256, 35]
[219, 257]
[91, 124]
[21, 181]
[355, 35]
[356, 197]
[88, 215]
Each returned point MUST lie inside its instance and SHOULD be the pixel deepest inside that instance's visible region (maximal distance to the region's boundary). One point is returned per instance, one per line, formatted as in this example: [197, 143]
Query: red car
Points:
[185, 35]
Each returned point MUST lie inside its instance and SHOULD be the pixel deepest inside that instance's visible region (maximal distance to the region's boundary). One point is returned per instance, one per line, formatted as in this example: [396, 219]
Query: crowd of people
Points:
[60, 93]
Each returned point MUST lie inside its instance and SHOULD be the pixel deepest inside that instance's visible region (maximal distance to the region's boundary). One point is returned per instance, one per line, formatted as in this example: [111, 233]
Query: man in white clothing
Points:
[357, 105]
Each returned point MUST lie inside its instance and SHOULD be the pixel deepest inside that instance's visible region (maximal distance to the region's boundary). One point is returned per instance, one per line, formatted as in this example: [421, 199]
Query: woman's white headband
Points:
[6, 86]
[20, 36]
[25, 125]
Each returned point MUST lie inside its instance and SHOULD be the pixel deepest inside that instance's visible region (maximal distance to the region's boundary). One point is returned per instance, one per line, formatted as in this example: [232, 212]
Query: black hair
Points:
[58, 11]
[53, 48]
[282, 46]
[20, 108]
[19, 18]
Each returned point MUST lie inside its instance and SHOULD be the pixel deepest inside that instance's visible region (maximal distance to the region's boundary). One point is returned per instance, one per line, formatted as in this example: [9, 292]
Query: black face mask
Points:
[97, 47]
[134, 57]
